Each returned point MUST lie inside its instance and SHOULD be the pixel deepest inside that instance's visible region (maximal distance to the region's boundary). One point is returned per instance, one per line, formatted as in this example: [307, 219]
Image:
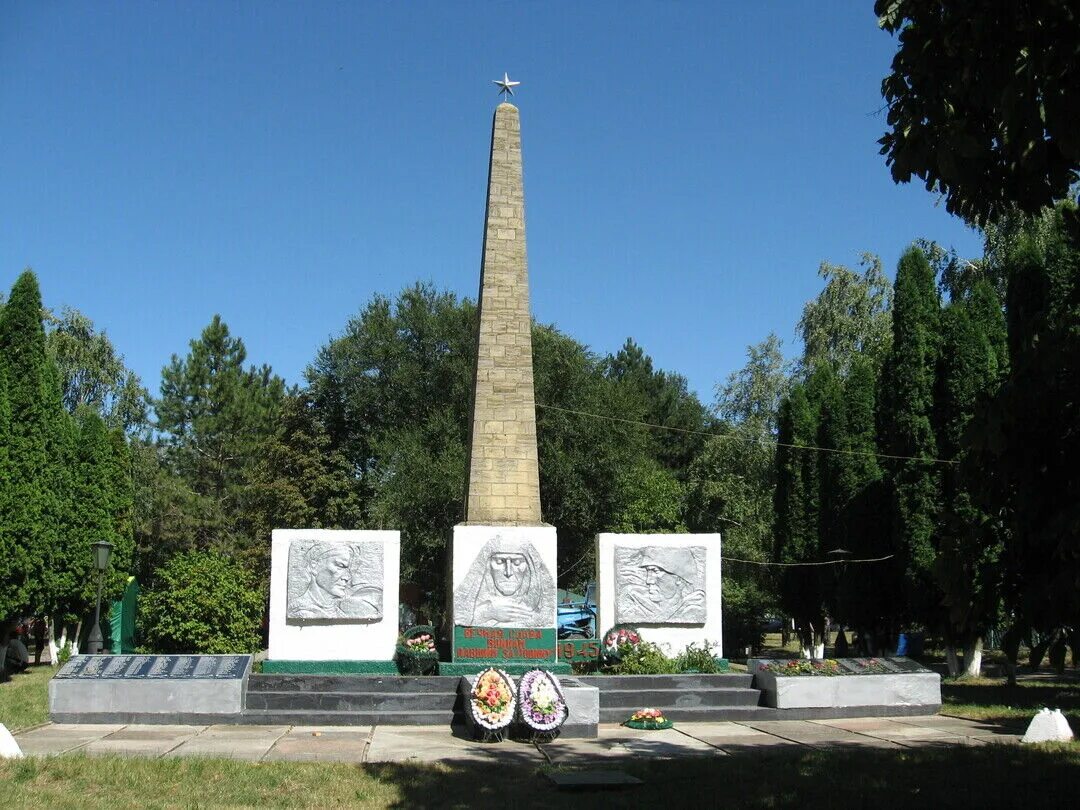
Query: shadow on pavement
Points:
[788, 777]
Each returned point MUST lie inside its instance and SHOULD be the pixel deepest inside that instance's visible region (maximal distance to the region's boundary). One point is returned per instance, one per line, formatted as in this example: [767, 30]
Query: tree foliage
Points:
[213, 415]
[850, 317]
[971, 365]
[31, 524]
[906, 425]
[731, 488]
[797, 529]
[93, 374]
[983, 101]
[1023, 459]
[201, 602]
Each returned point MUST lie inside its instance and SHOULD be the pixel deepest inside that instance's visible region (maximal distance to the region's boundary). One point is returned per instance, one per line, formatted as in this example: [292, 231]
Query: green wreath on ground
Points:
[648, 720]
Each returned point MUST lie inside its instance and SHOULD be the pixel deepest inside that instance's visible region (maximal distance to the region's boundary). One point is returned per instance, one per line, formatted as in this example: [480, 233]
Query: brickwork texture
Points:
[504, 479]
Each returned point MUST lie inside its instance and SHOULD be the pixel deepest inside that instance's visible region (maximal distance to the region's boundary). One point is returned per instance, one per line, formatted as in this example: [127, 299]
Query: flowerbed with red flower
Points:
[827, 667]
[619, 640]
[650, 719]
[492, 702]
[418, 642]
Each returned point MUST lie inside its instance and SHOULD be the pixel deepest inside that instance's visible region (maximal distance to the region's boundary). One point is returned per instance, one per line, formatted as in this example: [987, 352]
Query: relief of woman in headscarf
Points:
[507, 585]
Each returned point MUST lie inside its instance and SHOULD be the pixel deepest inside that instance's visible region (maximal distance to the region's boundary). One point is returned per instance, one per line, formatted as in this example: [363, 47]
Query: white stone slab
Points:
[1048, 726]
[70, 697]
[341, 632]
[810, 691]
[674, 585]
[9, 749]
[583, 703]
[504, 576]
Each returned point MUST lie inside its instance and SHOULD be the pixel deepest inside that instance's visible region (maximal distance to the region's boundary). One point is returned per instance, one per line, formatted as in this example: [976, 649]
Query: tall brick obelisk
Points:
[502, 600]
[504, 480]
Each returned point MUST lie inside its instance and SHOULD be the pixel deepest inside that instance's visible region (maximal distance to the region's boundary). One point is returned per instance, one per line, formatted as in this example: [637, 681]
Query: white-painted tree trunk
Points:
[973, 658]
[54, 651]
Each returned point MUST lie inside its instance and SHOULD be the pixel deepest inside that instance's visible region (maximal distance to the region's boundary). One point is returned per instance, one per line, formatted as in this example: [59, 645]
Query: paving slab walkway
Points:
[357, 744]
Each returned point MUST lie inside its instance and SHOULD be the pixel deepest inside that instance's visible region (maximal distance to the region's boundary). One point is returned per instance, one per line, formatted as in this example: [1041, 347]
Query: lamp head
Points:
[102, 550]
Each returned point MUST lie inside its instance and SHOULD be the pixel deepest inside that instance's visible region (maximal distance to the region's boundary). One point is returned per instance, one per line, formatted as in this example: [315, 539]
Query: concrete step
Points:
[727, 680]
[352, 701]
[331, 718]
[637, 698]
[699, 714]
[351, 683]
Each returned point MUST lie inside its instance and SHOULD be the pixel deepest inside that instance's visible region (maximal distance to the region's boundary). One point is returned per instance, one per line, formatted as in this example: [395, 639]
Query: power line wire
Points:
[748, 440]
[805, 564]
[765, 563]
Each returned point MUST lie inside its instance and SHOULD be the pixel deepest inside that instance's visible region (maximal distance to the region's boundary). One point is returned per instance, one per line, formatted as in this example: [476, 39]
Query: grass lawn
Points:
[24, 699]
[987, 776]
[992, 699]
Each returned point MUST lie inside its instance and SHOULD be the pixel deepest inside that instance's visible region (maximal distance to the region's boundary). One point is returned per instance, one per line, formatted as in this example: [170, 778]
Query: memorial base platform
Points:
[509, 667]
[286, 667]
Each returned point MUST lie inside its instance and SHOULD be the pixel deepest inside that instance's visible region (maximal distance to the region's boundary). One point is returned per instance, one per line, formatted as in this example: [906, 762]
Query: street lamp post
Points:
[102, 550]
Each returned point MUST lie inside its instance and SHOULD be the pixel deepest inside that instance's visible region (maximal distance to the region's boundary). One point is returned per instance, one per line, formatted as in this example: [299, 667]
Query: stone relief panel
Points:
[507, 585]
[335, 581]
[660, 585]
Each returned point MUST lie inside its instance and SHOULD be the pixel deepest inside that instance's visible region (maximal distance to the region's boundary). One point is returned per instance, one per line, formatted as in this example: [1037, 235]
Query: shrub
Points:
[202, 602]
[698, 659]
[643, 659]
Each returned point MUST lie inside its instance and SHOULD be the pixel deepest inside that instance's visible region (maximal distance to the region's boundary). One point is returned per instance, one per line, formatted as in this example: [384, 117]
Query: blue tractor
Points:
[577, 613]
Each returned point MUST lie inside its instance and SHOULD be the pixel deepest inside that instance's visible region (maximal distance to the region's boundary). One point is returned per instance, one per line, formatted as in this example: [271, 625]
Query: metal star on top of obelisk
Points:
[505, 85]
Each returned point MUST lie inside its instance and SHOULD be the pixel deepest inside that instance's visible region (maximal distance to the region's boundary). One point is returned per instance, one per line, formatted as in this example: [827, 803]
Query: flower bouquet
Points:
[416, 653]
[618, 640]
[491, 704]
[649, 719]
[541, 705]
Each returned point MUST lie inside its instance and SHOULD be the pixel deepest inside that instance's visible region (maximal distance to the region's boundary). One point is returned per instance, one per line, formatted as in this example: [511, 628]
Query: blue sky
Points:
[687, 166]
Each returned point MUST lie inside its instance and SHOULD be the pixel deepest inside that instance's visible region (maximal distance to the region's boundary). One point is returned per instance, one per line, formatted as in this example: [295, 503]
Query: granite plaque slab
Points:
[138, 667]
[149, 689]
[330, 579]
[660, 584]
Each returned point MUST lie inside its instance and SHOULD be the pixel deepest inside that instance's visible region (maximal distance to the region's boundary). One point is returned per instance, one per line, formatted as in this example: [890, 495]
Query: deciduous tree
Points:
[983, 101]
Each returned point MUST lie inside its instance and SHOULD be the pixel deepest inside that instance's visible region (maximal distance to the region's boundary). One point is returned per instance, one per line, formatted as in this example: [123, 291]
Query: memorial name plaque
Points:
[149, 689]
[524, 644]
[137, 667]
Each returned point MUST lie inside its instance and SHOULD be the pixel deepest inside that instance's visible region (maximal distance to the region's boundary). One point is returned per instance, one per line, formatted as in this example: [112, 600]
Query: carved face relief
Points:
[508, 571]
[334, 580]
[333, 574]
[507, 585]
[660, 584]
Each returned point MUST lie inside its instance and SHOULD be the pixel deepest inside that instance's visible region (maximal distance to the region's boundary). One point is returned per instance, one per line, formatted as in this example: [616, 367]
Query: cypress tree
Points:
[906, 429]
[1023, 455]
[970, 368]
[31, 518]
[869, 591]
[12, 571]
[797, 512]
